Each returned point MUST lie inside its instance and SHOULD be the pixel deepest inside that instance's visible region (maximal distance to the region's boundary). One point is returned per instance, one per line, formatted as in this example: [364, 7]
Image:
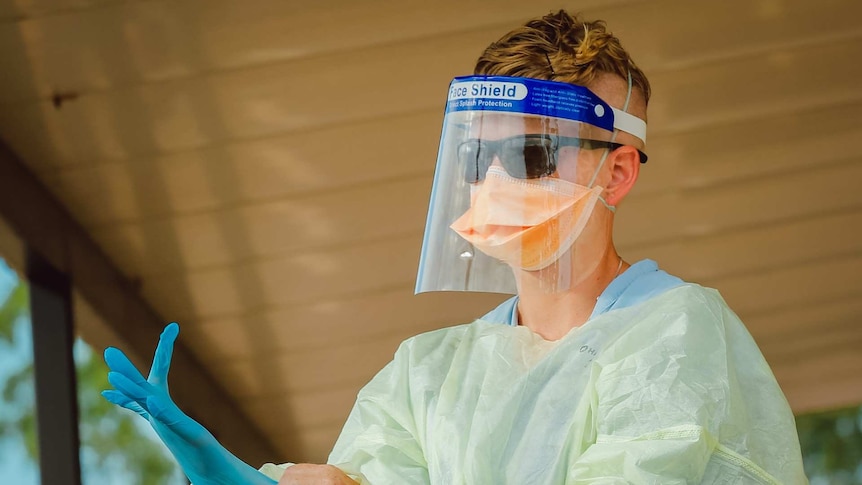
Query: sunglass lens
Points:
[521, 157]
[529, 158]
[473, 156]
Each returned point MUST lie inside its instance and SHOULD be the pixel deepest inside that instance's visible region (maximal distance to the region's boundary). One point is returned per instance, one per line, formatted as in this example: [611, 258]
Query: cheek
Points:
[569, 162]
[568, 170]
[578, 166]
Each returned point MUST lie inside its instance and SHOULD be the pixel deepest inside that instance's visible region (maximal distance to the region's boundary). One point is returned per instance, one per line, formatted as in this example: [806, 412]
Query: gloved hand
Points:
[203, 459]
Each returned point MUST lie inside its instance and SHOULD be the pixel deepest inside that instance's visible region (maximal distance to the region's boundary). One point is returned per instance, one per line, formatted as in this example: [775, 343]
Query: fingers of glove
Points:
[118, 362]
[131, 389]
[120, 399]
[164, 351]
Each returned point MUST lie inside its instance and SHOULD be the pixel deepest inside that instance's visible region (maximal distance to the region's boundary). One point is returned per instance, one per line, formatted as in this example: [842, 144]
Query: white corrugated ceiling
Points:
[262, 168]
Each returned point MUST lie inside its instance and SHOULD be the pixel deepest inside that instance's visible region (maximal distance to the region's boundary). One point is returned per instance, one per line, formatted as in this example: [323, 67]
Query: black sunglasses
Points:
[523, 156]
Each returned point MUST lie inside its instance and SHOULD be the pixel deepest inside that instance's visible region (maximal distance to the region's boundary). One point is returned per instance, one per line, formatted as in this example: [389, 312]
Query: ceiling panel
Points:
[834, 372]
[673, 35]
[792, 285]
[313, 224]
[95, 46]
[311, 419]
[794, 194]
[312, 369]
[259, 170]
[337, 320]
[795, 322]
[291, 413]
[254, 102]
[299, 94]
[83, 42]
[758, 247]
[303, 278]
[757, 146]
[778, 82]
[17, 10]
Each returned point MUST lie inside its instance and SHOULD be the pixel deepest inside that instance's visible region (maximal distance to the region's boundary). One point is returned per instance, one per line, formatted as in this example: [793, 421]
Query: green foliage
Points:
[11, 309]
[113, 441]
[17, 421]
[832, 446]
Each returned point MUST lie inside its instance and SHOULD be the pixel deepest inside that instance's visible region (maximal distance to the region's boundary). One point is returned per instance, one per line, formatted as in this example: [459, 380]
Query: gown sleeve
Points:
[380, 443]
[687, 397]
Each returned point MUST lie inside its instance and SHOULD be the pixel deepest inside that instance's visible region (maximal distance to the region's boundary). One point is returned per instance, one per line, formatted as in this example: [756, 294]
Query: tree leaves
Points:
[13, 307]
[832, 446]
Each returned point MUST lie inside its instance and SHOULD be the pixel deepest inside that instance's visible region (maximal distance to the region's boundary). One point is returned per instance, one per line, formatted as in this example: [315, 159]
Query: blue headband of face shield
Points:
[542, 98]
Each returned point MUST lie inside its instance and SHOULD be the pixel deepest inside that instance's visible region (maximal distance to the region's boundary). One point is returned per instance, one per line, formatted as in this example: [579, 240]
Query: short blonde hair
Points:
[561, 47]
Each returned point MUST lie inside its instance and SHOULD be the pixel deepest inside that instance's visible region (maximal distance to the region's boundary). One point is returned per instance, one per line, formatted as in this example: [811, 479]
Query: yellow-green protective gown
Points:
[673, 390]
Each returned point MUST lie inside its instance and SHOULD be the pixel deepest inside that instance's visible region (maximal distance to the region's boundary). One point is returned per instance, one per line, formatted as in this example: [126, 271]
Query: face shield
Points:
[514, 194]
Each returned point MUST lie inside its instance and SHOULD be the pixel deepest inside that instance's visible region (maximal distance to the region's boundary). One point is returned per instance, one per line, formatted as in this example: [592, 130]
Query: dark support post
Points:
[56, 386]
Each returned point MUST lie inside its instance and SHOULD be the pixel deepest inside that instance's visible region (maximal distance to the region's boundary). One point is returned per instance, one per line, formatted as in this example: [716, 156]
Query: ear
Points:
[625, 167]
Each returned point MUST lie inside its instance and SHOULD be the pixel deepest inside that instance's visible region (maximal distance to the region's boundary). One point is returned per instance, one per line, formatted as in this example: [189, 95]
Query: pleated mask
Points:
[528, 224]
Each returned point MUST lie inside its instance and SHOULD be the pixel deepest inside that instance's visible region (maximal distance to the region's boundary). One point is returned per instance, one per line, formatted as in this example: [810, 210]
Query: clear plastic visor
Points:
[511, 194]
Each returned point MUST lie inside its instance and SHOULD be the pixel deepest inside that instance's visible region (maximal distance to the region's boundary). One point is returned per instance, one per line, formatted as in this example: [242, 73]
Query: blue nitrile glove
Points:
[203, 459]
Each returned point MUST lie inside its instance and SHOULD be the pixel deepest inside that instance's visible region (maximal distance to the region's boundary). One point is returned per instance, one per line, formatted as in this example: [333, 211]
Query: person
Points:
[597, 370]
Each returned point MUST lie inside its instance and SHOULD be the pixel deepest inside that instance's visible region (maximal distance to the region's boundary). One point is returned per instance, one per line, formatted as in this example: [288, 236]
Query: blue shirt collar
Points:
[639, 282]
[620, 284]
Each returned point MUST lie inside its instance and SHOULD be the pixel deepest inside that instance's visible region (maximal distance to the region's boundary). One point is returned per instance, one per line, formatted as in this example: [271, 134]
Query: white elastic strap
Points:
[629, 123]
[628, 90]
[626, 122]
[614, 135]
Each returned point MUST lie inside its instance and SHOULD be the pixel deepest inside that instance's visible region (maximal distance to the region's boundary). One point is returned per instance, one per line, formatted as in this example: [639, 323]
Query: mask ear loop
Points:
[613, 138]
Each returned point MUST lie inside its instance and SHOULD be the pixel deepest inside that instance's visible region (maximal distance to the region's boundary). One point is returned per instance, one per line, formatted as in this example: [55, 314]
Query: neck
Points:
[553, 315]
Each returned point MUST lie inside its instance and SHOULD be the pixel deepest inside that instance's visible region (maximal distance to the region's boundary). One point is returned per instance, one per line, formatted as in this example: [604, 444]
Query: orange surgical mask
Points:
[527, 223]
